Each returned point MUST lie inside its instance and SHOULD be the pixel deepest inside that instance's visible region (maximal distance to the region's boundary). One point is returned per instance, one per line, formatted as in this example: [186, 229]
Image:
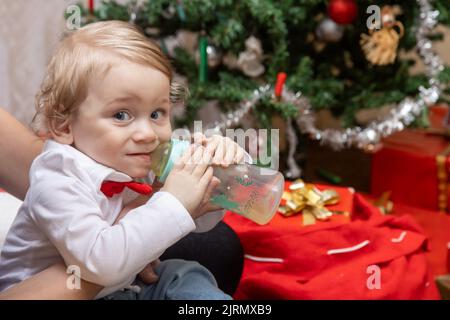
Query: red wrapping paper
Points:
[306, 270]
[406, 166]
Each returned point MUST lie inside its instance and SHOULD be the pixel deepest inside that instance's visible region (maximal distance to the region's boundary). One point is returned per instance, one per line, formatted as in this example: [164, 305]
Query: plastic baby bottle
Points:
[245, 189]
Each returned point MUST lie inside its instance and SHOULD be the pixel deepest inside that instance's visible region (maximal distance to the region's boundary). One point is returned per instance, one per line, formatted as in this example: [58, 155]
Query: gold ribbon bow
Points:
[306, 198]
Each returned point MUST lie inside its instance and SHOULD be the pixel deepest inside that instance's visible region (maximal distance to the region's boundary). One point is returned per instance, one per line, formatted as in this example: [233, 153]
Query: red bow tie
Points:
[110, 188]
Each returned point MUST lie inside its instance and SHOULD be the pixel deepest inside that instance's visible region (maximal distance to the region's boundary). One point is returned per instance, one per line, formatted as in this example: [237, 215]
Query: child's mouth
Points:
[142, 156]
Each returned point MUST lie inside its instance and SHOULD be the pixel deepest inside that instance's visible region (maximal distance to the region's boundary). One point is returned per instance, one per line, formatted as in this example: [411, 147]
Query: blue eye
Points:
[155, 114]
[122, 116]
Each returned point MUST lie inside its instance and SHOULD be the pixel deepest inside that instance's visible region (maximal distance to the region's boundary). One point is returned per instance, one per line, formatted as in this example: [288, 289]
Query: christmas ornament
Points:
[169, 44]
[380, 46]
[182, 39]
[203, 66]
[329, 31]
[342, 11]
[250, 60]
[134, 8]
[213, 56]
[281, 79]
[91, 6]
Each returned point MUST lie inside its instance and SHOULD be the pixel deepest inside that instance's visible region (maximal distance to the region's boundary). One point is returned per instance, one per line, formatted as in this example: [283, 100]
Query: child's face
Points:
[125, 116]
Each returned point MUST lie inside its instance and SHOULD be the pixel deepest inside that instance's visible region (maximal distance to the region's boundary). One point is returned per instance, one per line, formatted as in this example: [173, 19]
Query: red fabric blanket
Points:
[370, 257]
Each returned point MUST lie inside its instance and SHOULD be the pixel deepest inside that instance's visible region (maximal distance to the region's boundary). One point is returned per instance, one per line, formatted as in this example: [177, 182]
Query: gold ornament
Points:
[306, 198]
[380, 46]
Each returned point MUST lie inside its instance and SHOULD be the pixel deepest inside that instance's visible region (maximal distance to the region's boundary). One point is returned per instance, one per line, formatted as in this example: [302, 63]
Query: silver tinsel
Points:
[400, 116]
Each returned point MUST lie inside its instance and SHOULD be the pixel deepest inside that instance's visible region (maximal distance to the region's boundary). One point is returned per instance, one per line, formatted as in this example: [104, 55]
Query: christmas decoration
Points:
[250, 60]
[413, 165]
[329, 31]
[203, 73]
[337, 77]
[281, 78]
[286, 261]
[380, 47]
[400, 117]
[343, 11]
[309, 200]
[91, 6]
[213, 56]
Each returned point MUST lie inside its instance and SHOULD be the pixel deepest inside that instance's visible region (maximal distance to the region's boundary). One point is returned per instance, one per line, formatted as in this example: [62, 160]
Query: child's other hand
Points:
[148, 274]
[206, 206]
[224, 150]
[189, 179]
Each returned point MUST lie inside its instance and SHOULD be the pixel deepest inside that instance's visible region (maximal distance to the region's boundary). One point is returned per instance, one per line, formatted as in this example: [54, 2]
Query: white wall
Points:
[29, 30]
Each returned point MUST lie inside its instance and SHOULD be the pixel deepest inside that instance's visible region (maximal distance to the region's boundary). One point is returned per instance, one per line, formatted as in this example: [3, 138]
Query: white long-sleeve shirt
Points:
[66, 217]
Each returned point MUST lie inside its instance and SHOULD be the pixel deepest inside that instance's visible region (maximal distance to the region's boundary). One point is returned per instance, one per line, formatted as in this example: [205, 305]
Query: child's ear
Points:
[62, 130]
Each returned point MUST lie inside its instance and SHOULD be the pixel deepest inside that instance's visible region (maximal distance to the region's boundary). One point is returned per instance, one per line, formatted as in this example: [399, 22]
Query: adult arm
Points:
[19, 146]
[50, 284]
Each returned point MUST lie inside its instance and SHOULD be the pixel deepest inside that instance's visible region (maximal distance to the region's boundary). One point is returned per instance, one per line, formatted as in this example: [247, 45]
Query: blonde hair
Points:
[79, 57]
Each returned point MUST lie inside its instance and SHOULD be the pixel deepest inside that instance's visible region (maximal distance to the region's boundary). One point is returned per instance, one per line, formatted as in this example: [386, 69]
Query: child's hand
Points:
[206, 206]
[224, 150]
[148, 274]
[189, 179]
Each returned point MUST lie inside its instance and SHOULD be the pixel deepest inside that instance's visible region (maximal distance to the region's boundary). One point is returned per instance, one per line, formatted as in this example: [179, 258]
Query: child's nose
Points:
[144, 133]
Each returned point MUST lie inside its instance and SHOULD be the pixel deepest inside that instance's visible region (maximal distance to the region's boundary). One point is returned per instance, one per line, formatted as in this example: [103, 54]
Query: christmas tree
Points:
[334, 52]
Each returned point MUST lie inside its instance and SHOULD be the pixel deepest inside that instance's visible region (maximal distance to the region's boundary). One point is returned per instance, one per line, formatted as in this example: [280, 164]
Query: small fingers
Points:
[230, 152]
[240, 155]
[199, 138]
[219, 152]
[202, 163]
[214, 182]
[212, 144]
[184, 159]
[195, 160]
[206, 178]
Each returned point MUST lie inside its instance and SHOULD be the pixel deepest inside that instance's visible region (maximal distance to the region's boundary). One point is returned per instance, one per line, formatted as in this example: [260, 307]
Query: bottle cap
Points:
[177, 150]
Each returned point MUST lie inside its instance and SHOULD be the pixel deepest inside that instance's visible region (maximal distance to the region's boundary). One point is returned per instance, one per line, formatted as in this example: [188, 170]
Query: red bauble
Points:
[343, 11]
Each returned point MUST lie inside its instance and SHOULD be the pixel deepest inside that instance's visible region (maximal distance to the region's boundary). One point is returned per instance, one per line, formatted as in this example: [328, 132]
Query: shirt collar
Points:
[97, 171]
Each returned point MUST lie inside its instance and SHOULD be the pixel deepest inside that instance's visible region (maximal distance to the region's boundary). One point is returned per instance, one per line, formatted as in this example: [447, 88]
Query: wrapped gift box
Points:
[414, 166]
